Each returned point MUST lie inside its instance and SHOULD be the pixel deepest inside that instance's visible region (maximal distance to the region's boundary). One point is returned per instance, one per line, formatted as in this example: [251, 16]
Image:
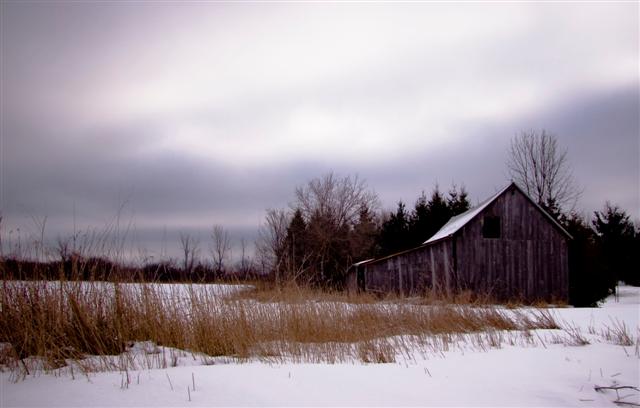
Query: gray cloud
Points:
[209, 114]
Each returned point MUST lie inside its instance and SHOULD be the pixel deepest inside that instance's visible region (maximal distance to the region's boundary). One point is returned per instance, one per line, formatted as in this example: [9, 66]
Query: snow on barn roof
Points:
[455, 223]
[459, 221]
[363, 262]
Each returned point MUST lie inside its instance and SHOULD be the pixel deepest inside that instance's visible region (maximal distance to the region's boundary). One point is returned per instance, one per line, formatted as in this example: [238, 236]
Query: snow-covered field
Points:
[548, 371]
[179, 290]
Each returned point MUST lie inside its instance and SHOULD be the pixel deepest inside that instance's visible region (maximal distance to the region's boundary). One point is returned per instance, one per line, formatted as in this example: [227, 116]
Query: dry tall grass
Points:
[66, 321]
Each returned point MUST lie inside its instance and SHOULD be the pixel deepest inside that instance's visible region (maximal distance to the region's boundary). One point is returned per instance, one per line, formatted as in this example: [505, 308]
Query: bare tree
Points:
[190, 249]
[245, 264]
[62, 248]
[221, 247]
[271, 240]
[331, 207]
[40, 224]
[334, 198]
[538, 165]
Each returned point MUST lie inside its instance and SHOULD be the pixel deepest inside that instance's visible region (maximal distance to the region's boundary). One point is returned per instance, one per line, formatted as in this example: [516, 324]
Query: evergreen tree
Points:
[438, 212]
[458, 201]
[429, 216]
[588, 278]
[394, 235]
[616, 235]
[296, 245]
[552, 208]
[419, 221]
[363, 236]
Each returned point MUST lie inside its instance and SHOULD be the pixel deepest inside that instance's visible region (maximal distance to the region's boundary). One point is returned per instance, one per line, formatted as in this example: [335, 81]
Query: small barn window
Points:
[491, 227]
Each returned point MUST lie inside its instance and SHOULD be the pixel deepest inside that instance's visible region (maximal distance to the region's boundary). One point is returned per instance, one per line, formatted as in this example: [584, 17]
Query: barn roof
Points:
[455, 223]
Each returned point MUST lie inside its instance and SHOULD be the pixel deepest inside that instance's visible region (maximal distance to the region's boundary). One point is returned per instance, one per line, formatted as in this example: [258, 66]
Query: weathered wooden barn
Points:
[506, 247]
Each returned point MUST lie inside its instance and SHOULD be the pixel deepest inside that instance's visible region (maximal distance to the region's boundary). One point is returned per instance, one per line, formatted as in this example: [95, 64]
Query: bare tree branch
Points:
[271, 240]
[331, 206]
[221, 247]
[245, 265]
[541, 168]
[338, 199]
[190, 249]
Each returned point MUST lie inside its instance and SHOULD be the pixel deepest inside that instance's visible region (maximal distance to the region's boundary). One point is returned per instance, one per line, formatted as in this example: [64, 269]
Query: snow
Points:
[548, 373]
[176, 291]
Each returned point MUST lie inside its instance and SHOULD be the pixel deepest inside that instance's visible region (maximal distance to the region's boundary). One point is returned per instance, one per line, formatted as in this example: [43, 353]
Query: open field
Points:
[169, 345]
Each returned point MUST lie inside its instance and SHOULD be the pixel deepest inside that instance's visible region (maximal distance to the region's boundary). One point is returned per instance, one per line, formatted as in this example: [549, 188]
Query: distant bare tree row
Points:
[220, 250]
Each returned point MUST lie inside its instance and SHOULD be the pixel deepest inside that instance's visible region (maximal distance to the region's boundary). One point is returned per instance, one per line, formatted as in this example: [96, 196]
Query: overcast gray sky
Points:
[200, 113]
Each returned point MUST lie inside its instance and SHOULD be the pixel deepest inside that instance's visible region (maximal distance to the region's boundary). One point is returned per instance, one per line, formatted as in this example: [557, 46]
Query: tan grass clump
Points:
[67, 321]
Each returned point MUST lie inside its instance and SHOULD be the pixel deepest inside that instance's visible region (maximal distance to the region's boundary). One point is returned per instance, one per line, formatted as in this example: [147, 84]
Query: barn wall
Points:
[529, 260]
[412, 272]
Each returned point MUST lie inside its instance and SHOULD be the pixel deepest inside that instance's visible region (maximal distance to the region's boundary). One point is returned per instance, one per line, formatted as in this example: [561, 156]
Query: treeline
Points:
[601, 253]
[103, 269]
[98, 255]
[404, 229]
[335, 221]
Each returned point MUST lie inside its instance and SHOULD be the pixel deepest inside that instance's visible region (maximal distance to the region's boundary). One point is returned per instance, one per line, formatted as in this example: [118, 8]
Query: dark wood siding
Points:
[412, 272]
[528, 261]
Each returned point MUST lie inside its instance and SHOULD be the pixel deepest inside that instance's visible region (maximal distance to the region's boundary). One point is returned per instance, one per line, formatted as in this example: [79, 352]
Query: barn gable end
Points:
[528, 259]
